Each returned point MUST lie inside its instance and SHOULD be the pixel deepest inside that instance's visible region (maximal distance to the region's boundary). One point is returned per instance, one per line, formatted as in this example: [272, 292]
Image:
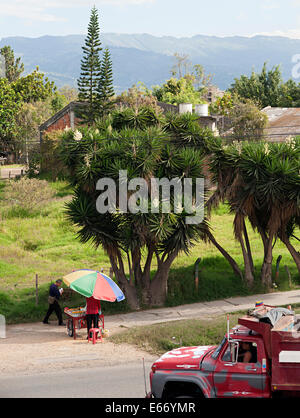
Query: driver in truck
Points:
[248, 353]
[246, 356]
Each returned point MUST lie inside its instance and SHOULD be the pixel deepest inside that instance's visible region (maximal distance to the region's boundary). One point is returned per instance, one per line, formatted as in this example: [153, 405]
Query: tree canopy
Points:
[34, 87]
[19, 123]
[10, 103]
[176, 91]
[267, 88]
[146, 147]
[260, 182]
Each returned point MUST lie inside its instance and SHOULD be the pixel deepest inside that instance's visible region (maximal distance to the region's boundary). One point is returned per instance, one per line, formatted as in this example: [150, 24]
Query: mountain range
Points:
[148, 58]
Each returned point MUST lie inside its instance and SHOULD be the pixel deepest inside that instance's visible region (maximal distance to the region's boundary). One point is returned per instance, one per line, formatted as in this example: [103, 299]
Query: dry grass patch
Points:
[28, 194]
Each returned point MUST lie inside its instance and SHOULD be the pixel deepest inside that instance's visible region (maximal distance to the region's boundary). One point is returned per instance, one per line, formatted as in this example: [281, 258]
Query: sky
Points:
[179, 18]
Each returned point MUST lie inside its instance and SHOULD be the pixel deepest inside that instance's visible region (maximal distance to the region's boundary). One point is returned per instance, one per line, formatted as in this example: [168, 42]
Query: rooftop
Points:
[283, 122]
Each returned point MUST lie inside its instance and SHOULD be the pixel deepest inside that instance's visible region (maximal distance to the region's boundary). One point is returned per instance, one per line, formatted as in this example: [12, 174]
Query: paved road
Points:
[106, 381]
[203, 310]
[99, 382]
[6, 173]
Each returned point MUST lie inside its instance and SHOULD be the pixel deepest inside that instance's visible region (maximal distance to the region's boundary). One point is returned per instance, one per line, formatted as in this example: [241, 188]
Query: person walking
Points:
[54, 296]
[93, 309]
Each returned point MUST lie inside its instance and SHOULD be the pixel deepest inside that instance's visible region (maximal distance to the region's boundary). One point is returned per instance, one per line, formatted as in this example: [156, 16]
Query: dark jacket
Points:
[54, 292]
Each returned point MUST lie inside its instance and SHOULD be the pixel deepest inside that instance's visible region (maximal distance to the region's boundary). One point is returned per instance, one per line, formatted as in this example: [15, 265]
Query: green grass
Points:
[159, 338]
[43, 242]
[9, 166]
[19, 304]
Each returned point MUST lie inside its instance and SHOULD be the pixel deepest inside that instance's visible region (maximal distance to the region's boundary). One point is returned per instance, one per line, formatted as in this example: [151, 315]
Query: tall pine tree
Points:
[89, 79]
[13, 68]
[105, 88]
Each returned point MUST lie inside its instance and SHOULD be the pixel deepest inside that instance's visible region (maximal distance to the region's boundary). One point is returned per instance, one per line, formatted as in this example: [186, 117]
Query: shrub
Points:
[28, 194]
[138, 96]
[49, 162]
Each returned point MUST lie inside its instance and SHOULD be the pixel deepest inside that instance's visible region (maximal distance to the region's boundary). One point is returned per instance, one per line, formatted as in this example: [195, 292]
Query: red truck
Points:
[256, 359]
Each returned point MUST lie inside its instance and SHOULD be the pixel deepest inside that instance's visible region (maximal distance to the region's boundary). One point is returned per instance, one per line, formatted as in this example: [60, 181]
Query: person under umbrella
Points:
[95, 286]
[93, 310]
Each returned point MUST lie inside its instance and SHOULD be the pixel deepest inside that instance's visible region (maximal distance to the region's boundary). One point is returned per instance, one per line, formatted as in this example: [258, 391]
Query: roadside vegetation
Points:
[159, 338]
[41, 241]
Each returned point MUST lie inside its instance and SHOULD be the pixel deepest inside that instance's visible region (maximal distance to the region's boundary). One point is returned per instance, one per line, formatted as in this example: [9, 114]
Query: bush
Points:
[142, 118]
[49, 161]
[28, 194]
[138, 96]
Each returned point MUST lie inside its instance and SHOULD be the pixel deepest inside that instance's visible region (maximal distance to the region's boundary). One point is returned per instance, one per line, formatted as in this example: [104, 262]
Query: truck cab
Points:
[254, 360]
[234, 375]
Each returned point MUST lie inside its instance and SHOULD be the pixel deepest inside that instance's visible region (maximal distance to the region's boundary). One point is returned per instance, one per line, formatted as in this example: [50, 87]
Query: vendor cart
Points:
[76, 320]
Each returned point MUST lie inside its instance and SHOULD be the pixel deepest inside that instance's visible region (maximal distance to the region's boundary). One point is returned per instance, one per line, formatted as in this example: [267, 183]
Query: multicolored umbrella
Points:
[92, 283]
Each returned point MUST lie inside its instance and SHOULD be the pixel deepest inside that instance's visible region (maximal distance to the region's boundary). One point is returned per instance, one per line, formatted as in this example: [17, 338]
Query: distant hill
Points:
[147, 58]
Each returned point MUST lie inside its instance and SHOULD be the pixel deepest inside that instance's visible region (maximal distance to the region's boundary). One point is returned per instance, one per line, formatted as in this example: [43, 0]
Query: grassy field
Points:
[159, 338]
[43, 242]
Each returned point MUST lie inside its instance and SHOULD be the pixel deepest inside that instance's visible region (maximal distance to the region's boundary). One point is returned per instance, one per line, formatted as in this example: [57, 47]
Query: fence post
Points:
[36, 290]
[289, 275]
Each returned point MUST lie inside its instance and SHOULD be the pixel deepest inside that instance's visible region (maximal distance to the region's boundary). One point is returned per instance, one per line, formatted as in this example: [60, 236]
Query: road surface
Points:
[99, 382]
[39, 361]
[10, 173]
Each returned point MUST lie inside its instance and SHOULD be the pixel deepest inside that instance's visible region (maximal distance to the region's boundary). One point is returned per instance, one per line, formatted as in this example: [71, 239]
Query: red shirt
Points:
[92, 306]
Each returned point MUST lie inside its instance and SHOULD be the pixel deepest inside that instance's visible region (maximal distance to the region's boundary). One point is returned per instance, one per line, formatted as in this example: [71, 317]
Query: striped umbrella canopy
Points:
[93, 283]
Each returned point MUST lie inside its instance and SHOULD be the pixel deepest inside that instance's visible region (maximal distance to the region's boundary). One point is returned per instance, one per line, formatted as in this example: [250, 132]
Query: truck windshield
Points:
[218, 349]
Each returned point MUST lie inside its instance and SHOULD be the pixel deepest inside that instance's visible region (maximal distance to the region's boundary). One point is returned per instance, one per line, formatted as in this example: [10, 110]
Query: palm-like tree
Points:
[138, 239]
[261, 183]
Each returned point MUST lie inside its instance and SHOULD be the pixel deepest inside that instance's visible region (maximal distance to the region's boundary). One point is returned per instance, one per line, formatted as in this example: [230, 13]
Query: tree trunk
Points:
[248, 248]
[237, 271]
[264, 240]
[145, 278]
[158, 286]
[126, 286]
[266, 270]
[249, 277]
[131, 296]
[294, 253]
[136, 266]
